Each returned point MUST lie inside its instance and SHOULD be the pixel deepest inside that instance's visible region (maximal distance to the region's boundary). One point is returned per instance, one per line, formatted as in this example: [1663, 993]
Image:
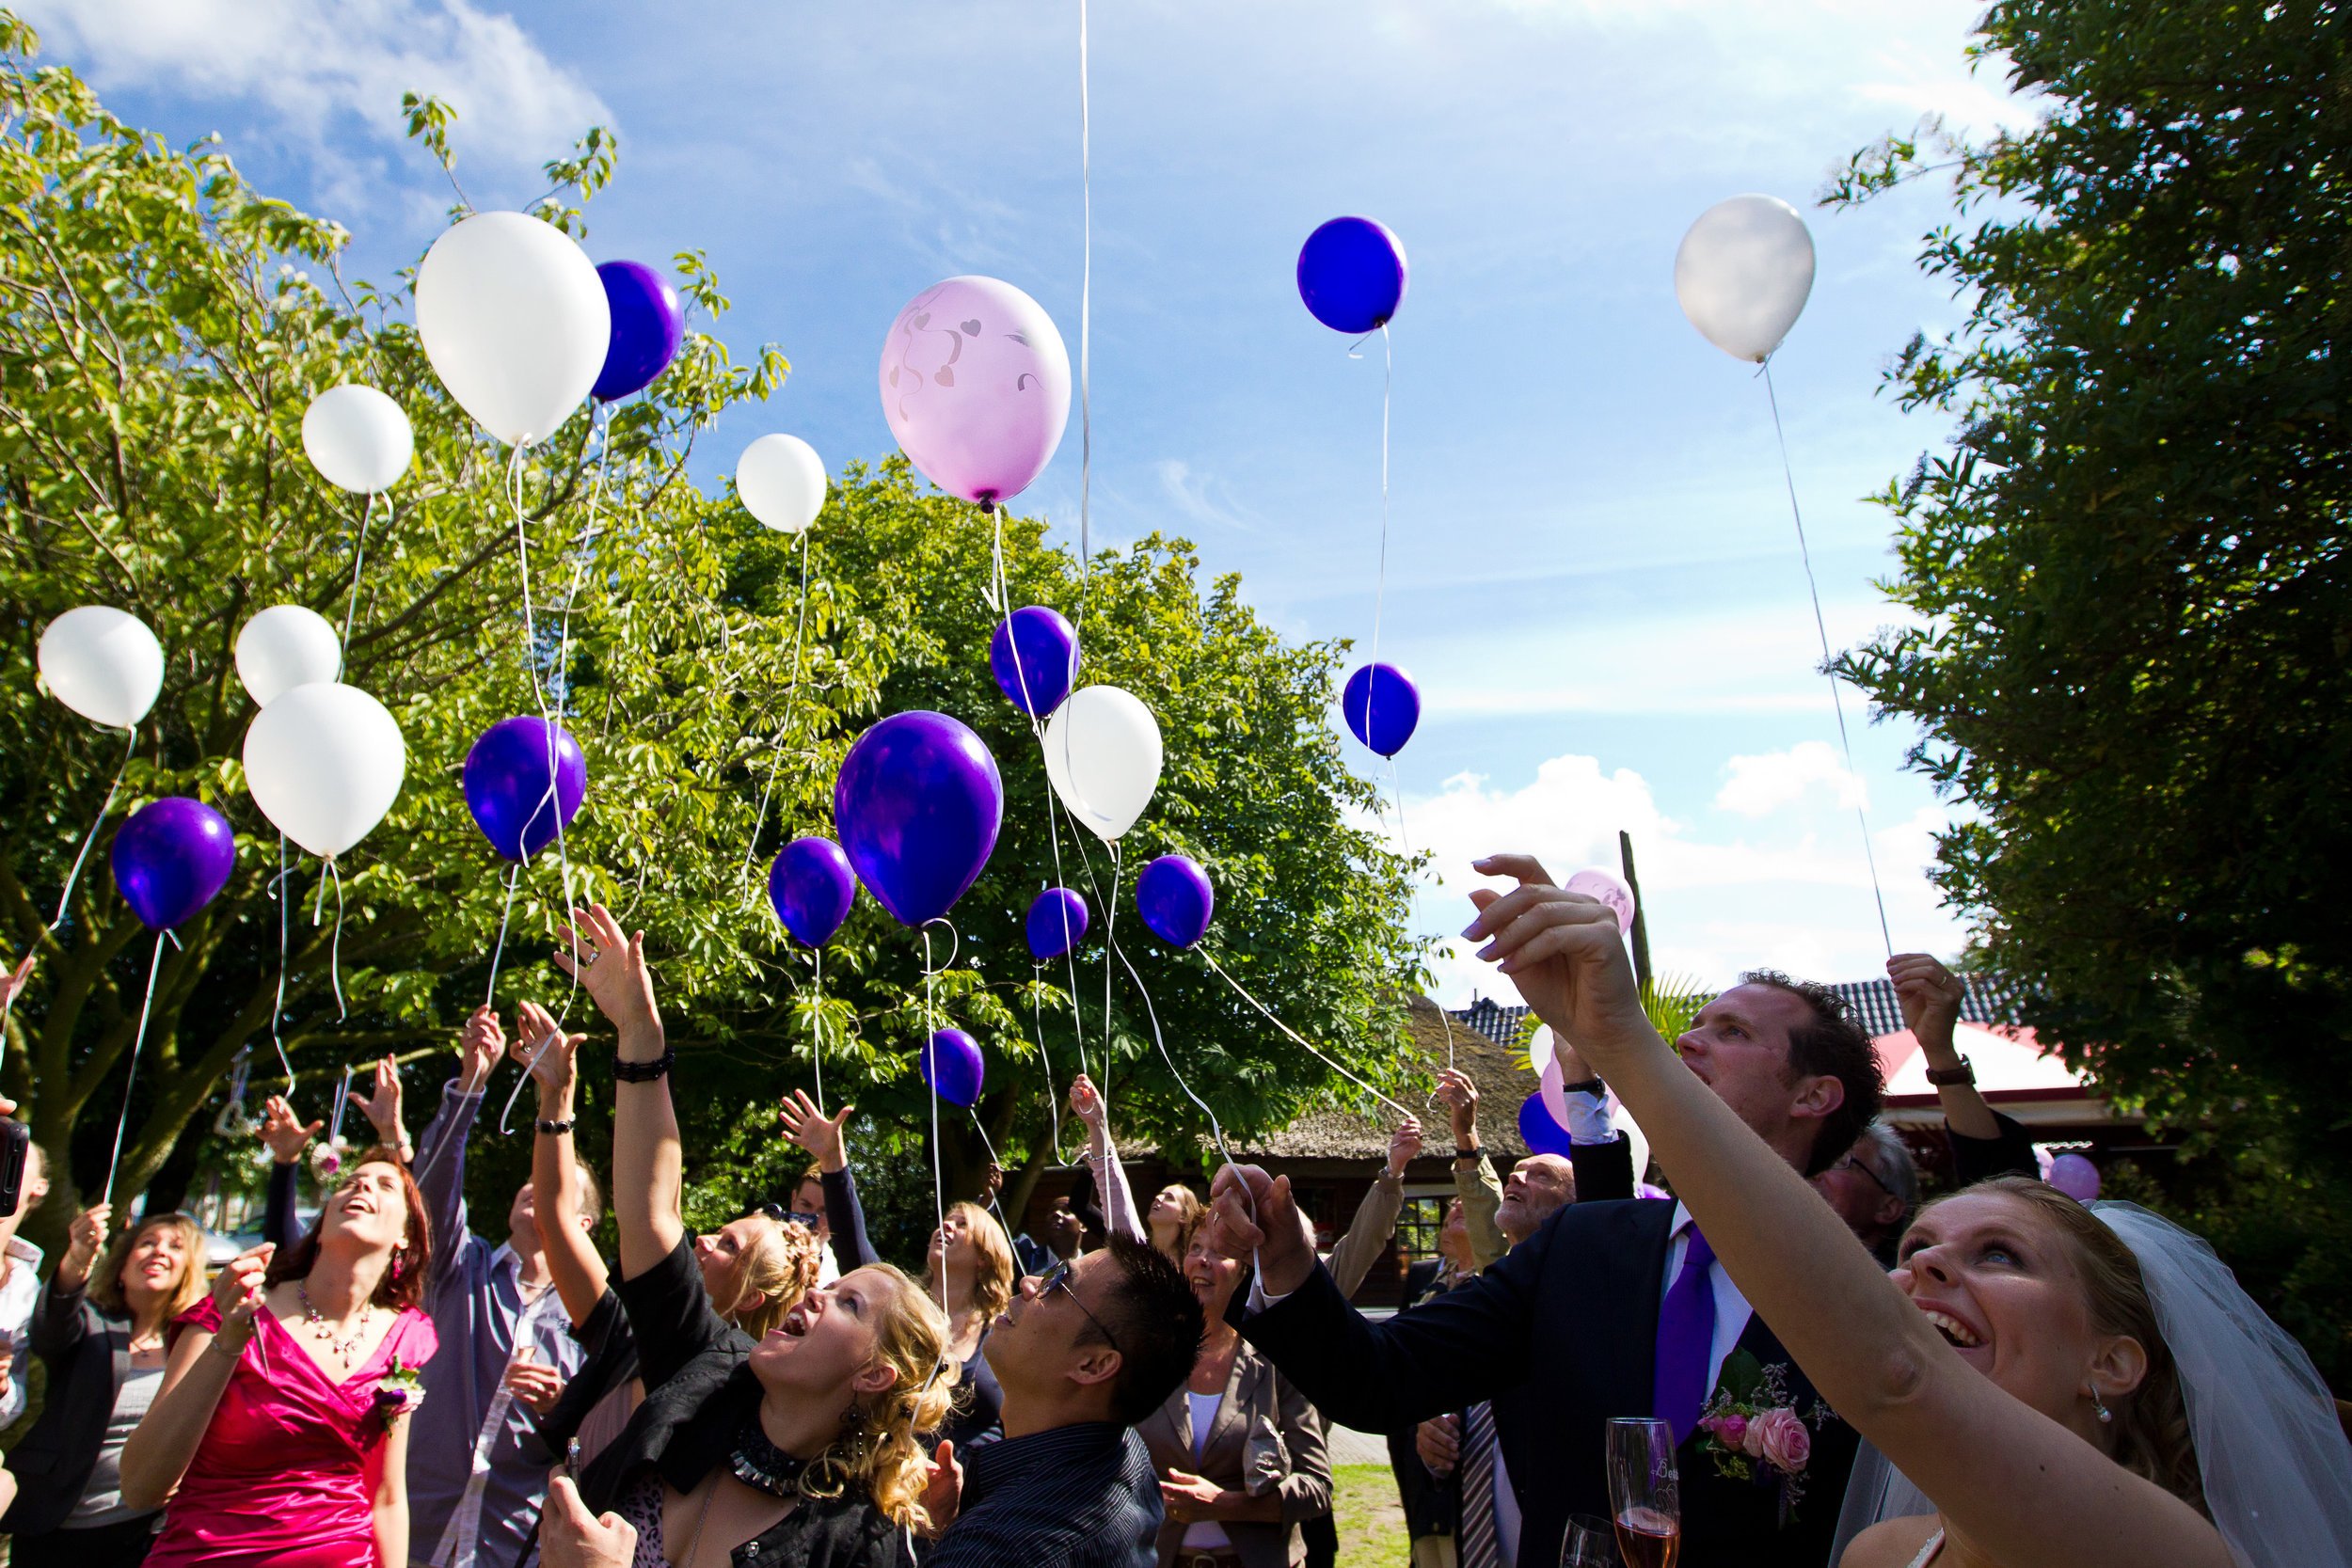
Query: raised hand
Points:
[1085, 1102]
[480, 1044]
[552, 1068]
[382, 1105]
[1931, 996]
[1252, 1213]
[571, 1537]
[1563, 952]
[1460, 1097]
[238, 1291]
[943, 1490]
[283, 1131]
[83, 1238]
[1404, 1145]
[813, 1131]
[610, 967]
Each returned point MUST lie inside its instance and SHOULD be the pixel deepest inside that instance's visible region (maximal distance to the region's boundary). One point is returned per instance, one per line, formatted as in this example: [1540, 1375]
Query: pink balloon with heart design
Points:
[1610, 889]
[976, 386]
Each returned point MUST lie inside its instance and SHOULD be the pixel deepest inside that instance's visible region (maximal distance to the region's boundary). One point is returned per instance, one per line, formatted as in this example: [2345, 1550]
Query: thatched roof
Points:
[1335, 1134]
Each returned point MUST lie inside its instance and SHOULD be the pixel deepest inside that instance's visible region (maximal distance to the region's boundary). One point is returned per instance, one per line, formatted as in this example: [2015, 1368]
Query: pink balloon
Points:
[1555, 1092]
[2074, 1176]
[1609, 889]
[976, 386]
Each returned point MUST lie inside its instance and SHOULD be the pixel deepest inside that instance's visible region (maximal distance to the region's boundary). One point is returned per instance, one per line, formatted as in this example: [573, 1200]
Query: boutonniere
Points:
[1756, 1433]
[400, 1391]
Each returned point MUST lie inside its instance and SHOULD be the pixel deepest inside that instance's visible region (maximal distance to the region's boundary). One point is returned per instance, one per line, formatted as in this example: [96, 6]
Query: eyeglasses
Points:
[779, 1214]
[1058, 1278]
[1850, 1163]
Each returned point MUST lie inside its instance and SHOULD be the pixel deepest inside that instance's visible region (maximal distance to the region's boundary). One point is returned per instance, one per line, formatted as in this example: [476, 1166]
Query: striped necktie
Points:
[1479, 1547]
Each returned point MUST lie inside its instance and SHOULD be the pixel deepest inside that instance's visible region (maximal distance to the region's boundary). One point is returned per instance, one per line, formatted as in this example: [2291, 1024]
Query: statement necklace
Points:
[760, 1465]
[315, 1321]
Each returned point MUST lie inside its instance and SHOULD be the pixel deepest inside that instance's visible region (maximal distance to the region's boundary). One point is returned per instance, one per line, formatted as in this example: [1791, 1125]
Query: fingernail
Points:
[1487, 951]
[1471, 929]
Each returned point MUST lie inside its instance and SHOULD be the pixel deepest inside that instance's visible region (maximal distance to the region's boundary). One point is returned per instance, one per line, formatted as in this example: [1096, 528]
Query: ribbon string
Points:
[1297, 1039]
[114, 1160]
[130, 739]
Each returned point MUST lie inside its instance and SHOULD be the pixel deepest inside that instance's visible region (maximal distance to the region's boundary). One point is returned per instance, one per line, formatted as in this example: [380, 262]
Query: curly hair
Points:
[2149, 1436]
[780, 1266]
[1832, 1045]
[106, 1283]
[882, 1449]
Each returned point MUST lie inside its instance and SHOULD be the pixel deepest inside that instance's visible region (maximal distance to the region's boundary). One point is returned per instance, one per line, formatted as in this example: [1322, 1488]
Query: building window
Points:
[1417, 1226]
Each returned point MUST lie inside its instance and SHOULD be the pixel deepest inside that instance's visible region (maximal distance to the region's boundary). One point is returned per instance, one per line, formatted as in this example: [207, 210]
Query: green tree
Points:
[165, 326]
[2130, 576]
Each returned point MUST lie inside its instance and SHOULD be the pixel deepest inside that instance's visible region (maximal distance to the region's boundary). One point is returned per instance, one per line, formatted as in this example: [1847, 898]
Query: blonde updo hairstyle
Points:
[780, 1266]
[881, 1449]
[992, 1269]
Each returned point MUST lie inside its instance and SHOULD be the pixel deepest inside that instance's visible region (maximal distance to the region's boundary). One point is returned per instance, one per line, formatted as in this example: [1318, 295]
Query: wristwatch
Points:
[1947, 1076]
[1585, 1086]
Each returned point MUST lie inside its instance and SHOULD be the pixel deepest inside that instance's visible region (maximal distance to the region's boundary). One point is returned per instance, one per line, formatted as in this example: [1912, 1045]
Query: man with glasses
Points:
[1874, 1186]
[1087, 1350]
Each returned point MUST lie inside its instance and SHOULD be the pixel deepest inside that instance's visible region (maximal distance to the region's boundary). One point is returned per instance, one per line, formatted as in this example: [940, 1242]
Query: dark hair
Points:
[1155, 1324]
[1833, 1045]
[404, 1281]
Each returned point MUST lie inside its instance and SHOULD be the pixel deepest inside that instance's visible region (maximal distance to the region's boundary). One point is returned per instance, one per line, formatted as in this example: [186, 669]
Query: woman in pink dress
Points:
[278, 1436]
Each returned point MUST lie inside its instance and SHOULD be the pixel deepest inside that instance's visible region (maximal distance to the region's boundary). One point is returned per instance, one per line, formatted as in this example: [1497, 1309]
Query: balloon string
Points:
[130, 737]
[1380, 582]
[489, 995]
[930, 1027]
[1396, 785]
[1019, 1268]
[1036, 1020]
[522, 556]
[1296, 1037]
[1085, 330]
[277, 1009]
[114, 1160]
[1153, 1013]
[529, 1068]
[1070, 955]
[335, 947]
[582, 549]
[784, 733]
[359, 556]
[1110, 946]
[816, 1028]
[1836, 702]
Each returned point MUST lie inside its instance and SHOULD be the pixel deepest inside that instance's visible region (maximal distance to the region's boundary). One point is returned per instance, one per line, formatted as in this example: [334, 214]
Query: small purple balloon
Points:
[1175, 899]
[171, 858]
[1382, 706]
[508, 777]
[918, 802]
[952, 1067]
[2074, 1176]
[1057, 923]
[1352, 275]
[1538, 1131]
[1034, 656]
[812, 887]
[648, 325]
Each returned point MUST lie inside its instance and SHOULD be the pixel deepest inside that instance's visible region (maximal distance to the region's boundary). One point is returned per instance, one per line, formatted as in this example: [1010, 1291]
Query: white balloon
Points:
[1103, 757]
[103, 663]
[782, 482]
[1623, 1120]
[1540, 1050]
[325, 762]
[516, 322]
[1742, 273]
[358, 438]
[285, 646]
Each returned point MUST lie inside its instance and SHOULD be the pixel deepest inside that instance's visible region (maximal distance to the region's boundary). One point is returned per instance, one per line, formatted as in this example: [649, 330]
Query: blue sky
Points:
[1592, 572]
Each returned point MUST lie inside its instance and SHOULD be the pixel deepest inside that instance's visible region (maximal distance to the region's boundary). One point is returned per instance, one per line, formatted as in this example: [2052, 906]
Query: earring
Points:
[2099, 1406]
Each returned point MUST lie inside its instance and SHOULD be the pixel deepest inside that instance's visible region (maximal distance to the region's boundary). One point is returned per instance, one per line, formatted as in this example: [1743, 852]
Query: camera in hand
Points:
[15, 1138]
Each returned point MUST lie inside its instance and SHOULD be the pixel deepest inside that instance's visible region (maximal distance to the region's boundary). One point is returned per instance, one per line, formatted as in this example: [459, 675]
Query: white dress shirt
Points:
[1732, 1311]
[18, 1294]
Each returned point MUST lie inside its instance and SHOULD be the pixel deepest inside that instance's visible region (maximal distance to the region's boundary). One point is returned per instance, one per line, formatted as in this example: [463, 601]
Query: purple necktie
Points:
[1686, 1335]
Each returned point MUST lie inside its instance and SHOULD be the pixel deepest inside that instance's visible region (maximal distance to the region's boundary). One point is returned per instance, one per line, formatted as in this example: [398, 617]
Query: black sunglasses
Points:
[778, 1212]
[1058, 1278]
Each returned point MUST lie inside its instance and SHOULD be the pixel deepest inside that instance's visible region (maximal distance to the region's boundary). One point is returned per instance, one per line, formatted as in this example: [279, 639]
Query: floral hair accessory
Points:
[326, 1161]
[1755, 1432]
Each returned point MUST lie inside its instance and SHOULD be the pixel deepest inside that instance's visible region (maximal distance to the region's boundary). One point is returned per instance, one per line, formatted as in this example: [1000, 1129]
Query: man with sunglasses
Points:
[1087, 1349]
[1874, 1186]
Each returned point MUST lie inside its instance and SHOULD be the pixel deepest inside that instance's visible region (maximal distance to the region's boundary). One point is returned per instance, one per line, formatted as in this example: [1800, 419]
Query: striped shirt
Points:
[1074, 1497]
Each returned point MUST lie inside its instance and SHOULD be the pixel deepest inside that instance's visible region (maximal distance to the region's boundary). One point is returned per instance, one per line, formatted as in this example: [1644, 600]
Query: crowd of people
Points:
[2005, 1377]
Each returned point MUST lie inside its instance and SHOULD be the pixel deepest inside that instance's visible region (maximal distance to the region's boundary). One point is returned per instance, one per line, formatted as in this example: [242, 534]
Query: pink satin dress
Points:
[286, 1473]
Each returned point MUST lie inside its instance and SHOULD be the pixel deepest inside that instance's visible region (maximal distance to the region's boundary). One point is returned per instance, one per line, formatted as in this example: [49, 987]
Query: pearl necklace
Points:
[315, 1321]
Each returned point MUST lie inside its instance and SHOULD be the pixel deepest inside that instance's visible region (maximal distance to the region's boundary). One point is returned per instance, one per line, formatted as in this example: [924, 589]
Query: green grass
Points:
[1370, 1520]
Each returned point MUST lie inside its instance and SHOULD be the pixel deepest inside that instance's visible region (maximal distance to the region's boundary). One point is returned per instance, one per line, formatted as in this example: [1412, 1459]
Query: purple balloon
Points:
[1048, 663]
[1057, 923]
[1382, 706]
[918, 802]
[171, 858]
[1538, 1131]
[1351, 274]
[976, 386]
[1175, 899]
[508, 775]
[648, 325]
[951, 1066]
[812, 887]
[2074, 1176]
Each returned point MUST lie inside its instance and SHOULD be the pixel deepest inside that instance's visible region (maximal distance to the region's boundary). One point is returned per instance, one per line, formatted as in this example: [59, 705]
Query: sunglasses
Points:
[1058, 1278]
[778, 1212]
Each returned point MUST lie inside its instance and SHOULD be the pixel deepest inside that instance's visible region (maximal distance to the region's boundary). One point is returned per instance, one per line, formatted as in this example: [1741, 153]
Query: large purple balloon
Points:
[171, 858]
[1175, 899]
[951, 1066]
[1047, 646]
[1351, 274]
[1382, 706]
[812, 887]
[647, 327]
[918, 802]
[1538, 1131]
[976, 386]
[1057, 923]
[506, 780]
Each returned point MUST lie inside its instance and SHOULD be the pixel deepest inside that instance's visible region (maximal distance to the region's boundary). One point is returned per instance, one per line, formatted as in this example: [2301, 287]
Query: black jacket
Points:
[87, 1352]
[1561, 1335]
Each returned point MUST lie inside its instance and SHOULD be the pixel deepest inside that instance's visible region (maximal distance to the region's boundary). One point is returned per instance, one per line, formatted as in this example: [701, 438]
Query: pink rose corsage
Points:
[400, 1391]
[1755, 1432]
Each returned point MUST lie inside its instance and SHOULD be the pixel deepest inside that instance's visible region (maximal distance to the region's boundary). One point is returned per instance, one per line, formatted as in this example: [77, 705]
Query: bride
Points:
[2070, 1387]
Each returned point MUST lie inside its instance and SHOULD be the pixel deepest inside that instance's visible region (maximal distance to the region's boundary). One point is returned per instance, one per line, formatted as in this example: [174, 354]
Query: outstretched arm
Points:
[1118, 1202]
[441, 1168]
[1376, 1216]
[821, 1134]
[1930, 995]
[646, 1156]
[573, 1262]
[2023, 1489]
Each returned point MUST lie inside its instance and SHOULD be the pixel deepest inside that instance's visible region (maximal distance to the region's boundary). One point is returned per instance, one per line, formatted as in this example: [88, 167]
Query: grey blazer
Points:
[1265, 1437]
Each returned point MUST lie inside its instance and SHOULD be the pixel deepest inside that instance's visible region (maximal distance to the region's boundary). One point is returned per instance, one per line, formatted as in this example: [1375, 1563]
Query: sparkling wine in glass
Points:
[1644, 1493]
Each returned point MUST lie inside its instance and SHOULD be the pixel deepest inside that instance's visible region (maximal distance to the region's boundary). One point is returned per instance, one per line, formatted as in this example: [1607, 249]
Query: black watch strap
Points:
[1585, 1086]
[644, 1072]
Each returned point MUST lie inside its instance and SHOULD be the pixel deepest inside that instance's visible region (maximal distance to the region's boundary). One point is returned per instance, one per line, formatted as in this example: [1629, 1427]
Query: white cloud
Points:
[317, 69]
[1761, 785]
[1198, 496]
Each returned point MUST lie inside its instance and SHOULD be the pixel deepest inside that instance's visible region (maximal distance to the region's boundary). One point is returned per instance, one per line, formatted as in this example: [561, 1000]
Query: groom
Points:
[1612, 1308]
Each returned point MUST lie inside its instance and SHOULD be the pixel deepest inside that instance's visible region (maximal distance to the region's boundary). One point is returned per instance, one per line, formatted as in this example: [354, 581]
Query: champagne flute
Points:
[1644, 1493]
[1591, 1543]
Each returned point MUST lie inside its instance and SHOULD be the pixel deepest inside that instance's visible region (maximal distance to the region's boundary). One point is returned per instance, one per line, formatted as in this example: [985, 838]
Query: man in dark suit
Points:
[1612, 1308]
